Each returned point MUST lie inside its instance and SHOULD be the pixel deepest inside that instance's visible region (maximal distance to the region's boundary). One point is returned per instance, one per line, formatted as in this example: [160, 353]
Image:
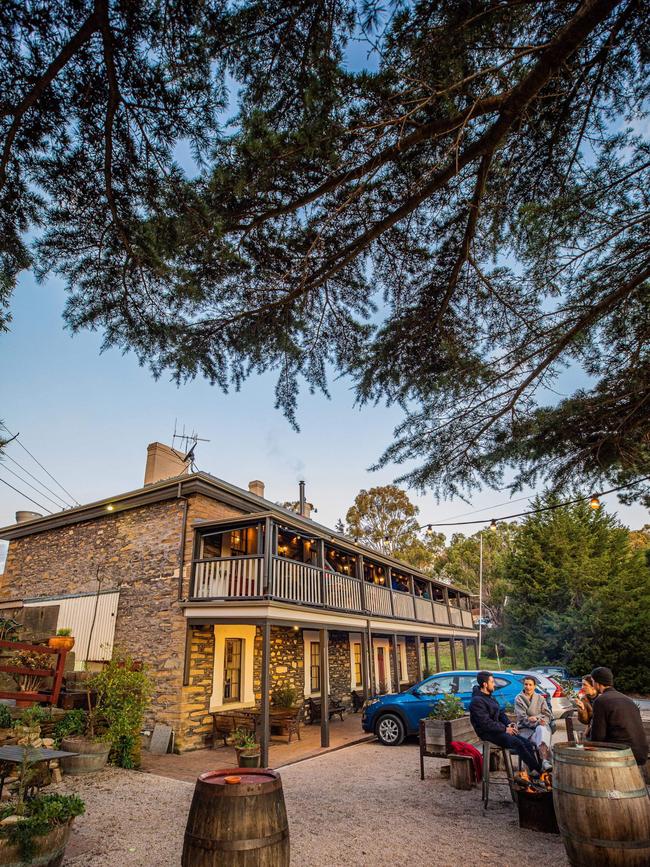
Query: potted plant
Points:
[123, 690]
[286, 698]
[30, 679]
[447, 722]
[63, 640]
[247, 749]
[77, 733]
[35, 830]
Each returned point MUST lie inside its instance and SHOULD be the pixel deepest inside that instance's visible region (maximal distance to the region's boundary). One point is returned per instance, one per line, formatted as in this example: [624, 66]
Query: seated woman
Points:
[584, 704]
[534, 719]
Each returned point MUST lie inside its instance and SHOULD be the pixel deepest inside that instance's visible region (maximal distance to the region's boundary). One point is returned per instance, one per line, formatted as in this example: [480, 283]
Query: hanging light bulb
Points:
[493, 525]
[594, 503]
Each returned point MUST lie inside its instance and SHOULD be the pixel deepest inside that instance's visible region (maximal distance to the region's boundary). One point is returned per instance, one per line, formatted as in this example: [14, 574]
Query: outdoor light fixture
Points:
[110, 507]
[594, 503]
[493, 524]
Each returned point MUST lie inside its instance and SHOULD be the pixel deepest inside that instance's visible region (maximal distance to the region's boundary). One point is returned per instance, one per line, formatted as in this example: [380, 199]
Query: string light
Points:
[493, 525]
[594, 503]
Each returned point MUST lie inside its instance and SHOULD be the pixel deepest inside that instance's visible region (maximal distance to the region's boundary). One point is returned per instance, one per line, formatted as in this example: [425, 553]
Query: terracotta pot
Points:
[61, 642]
[50, 849]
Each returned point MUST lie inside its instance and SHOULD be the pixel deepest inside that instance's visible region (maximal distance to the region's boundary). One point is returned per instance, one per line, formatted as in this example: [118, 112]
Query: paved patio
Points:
[189, 765]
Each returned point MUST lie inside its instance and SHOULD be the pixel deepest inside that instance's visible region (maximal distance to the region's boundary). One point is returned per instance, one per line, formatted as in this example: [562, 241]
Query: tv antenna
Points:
[187, 443]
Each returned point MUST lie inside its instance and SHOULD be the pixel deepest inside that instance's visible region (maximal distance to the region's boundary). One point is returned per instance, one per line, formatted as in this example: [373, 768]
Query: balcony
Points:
[304, 584]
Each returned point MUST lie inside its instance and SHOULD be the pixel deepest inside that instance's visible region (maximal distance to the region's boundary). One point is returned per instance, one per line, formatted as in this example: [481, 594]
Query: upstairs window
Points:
[236, 542]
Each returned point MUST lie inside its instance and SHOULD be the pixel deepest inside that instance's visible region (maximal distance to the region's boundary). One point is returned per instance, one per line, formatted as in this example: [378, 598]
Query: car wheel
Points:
[390, 730]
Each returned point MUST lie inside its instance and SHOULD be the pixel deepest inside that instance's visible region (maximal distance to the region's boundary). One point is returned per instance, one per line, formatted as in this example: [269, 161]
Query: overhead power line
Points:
[22, 494]
[56, 481]
[66, 505]
[33, 487]
[534, 511]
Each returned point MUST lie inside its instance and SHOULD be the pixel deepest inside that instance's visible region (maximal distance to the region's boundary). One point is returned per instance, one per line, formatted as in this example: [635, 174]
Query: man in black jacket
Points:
[492, 724]
[617, 719]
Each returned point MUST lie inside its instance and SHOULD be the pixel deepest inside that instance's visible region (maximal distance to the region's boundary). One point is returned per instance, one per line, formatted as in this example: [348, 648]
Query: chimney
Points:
[163, 462]
[304, 508]
[21, 517]
[256, 487]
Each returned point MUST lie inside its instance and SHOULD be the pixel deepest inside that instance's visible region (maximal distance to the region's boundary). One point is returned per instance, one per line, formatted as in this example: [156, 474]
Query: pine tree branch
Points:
[90, 26]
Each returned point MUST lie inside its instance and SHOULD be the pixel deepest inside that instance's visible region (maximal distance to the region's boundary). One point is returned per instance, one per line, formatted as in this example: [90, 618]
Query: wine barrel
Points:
[237, 819]
[602, 805]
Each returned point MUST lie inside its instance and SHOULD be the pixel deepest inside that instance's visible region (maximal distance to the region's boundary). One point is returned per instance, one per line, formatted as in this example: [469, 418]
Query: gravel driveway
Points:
[363, 804]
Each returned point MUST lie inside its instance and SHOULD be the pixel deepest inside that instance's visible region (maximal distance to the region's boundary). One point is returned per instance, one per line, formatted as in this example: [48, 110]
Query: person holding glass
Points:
[534, 720]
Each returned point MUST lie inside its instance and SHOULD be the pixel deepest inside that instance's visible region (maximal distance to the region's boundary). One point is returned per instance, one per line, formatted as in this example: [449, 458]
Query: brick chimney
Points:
[163, 462]
[256, 487]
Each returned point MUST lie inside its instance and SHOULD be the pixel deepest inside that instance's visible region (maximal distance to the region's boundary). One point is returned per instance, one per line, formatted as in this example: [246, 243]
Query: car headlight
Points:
[368, 703]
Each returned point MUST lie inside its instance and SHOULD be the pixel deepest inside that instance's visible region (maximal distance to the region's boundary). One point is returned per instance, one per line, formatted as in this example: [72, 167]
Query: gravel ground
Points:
[364, 804]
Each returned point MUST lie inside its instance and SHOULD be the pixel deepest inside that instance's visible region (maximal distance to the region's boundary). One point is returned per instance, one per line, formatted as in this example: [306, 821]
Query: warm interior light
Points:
[594, 503]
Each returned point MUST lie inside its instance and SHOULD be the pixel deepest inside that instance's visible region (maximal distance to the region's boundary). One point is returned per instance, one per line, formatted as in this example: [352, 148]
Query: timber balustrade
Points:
[290, 580]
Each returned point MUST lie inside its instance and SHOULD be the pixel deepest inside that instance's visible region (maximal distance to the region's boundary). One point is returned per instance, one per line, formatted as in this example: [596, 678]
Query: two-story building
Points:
[227, 597]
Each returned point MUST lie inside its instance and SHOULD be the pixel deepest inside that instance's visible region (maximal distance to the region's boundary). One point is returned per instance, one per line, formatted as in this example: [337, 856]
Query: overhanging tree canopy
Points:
[451, 229]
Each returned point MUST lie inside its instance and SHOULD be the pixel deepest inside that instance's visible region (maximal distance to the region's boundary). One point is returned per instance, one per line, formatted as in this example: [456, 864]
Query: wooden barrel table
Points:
[237, 819]
[602, 805]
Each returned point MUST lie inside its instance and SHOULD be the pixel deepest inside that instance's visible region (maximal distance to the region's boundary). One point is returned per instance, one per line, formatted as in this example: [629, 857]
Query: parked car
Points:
[552, 671]
[394, 716]
[558, 701]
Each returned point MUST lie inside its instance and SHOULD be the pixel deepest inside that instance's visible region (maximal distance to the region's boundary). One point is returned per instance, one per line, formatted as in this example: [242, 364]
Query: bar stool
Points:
[485, 786]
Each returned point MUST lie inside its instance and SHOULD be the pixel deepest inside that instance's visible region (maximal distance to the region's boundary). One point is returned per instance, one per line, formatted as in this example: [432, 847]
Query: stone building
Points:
[227, 597]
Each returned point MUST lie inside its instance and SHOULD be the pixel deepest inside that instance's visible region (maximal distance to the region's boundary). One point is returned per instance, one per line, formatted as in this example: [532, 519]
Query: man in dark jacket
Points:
[616, 719]
[492, 724]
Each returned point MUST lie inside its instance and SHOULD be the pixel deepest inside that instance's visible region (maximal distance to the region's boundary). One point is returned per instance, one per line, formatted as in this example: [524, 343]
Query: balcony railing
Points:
[243, 577]
[231, 577]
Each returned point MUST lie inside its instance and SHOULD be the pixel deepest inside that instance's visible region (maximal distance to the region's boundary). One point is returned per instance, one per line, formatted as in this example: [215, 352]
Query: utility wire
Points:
[33, 487]
[25, 495]
[492, 508]
[536, 511]
[37, 480]
[41, 466]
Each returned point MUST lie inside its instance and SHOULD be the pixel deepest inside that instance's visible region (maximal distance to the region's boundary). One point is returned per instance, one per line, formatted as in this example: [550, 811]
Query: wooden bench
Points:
[336, 708]
[287, 721]
[225, 723]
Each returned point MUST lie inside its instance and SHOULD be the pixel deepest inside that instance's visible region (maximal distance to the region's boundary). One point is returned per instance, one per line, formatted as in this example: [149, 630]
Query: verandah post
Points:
[464, 640]
[395, 661]
[452, 648]
[364, 666]
[418, 654]
[266, 687]
[324, 688]
[436, 647]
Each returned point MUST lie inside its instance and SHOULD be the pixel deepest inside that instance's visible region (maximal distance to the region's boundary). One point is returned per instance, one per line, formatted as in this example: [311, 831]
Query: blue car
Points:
[392, 717]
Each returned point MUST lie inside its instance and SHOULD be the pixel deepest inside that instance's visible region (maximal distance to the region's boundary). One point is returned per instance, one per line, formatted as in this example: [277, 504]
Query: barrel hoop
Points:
[243, 790]
[238, 845]
[627, 762]
[612, 794]
[604, 844]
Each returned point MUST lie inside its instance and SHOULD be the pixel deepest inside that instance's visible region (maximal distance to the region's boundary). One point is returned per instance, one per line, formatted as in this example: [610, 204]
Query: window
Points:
[499, 683]
[293, 546]
[357, 664]
[314, 666]
[467, 682]
[438, 686]
[238, 542]
[374, 573]
[340, 561]
[400, 582]
[232, 669]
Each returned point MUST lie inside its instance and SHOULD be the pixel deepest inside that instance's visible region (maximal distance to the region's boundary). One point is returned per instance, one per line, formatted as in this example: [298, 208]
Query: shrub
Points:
[5, 717]
[447, 708]
[39, 815]
[122, 697]
[64, 633]
[243, 739]
[285, 696]
[73, 723]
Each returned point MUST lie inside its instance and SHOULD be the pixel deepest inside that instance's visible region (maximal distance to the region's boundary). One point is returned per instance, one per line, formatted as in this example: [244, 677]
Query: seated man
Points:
[617, 719]
[492, 724]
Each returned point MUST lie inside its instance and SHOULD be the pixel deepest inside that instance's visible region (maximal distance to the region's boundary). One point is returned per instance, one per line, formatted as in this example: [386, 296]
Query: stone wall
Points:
[196, 722]
[412, 660]
[340, 673]
[135, 551]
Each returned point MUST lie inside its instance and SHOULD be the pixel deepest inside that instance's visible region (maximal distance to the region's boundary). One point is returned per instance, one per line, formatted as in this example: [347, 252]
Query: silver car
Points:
[558, 701]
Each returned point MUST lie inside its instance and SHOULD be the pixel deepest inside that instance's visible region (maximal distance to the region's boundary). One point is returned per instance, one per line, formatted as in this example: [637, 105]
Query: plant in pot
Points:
[447, 722]
[77, 732]
[63, 640]
[123, 690]
[286, 698]
[33, 667]
[35, 829]
[247, 749]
